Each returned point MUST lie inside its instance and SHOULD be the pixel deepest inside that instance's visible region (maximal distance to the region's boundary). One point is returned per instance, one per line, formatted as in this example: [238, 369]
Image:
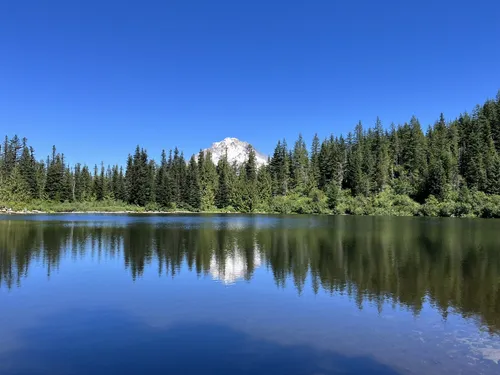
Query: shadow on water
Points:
[82, 342]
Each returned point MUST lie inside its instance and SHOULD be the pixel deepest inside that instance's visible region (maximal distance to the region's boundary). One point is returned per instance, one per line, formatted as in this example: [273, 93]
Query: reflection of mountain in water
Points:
[234, 267]
[454, 264]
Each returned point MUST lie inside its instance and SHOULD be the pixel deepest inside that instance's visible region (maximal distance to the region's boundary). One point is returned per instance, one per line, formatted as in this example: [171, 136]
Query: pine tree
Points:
[86, 184]
[162, 192]
[314, 171]
[115, 175]
[472, 159]
[223, 198]
[139, 178]
[490, 156]
[15, 188]
[55, 177]
[355, 178]
[325, 168]
[177, 173]
[78, 182]
[193, 184]
[264, 187]
[493, 175]
[208, 180]
[27, 169]
[491, 110]
[248, 182]
[381, 170]
[121, 188]
[98, 190]
[150, 188]
[129, 179]
[279, 169]
[300, 165]
[68, 188]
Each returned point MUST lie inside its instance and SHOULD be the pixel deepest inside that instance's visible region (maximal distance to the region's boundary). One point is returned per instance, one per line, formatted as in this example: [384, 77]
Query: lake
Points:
[241, 294]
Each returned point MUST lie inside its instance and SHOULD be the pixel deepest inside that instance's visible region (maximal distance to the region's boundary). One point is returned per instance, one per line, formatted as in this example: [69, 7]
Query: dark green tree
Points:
[223, 197]
[193, 184]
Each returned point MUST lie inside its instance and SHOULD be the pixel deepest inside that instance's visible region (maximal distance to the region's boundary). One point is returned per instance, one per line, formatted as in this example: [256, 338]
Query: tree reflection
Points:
[455, 264]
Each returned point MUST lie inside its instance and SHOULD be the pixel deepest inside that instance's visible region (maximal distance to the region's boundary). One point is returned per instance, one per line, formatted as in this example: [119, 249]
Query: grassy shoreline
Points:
[111, 207]
[387, 203]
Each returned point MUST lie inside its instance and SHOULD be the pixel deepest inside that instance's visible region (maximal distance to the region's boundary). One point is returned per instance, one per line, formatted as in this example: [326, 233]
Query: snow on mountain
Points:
[237, 151]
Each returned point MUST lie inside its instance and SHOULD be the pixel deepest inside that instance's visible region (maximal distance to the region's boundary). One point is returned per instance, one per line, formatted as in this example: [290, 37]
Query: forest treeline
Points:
[450, 169]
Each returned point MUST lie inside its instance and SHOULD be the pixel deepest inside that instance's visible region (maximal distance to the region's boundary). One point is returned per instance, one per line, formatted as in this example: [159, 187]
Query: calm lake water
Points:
[115, 294]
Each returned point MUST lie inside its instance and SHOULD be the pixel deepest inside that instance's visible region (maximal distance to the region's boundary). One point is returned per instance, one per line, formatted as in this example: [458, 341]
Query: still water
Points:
[213, 294]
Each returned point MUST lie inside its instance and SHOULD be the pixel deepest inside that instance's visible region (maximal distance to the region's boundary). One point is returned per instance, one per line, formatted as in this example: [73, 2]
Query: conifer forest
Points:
[451, 168]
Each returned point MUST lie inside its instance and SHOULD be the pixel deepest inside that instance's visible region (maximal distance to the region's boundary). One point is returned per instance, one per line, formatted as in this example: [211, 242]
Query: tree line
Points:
[450, 169]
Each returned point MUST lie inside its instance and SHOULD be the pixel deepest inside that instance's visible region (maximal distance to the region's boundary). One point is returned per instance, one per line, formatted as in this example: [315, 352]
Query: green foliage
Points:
[193, 185]
[279, 169]
[452, 170]
[208, 181]
[334, 195]
[224, 191]
[14, 187]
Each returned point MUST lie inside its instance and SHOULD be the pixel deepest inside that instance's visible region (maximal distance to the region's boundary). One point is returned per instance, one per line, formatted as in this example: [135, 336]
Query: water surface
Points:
[240, 294]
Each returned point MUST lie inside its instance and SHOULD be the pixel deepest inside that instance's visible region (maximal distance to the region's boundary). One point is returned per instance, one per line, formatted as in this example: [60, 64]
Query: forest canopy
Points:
[452, 168]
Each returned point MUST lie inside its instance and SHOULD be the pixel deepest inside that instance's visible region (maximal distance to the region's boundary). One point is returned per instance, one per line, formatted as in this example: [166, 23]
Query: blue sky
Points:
[98, 77]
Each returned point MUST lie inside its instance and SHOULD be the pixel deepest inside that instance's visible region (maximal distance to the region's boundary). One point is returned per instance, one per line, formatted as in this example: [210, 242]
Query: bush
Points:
[152, 206]
[491, 208]
[388, 202]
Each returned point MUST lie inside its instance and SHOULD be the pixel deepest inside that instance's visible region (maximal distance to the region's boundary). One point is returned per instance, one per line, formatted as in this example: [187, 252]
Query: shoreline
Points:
[37, 212]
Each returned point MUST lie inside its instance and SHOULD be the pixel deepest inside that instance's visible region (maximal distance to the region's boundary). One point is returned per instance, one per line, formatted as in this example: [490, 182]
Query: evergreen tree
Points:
[314, 170]
[86, 184]
[248, 183]
[381, 170]
[55, 177]
[279, 169]
[121, 189]
[264, 187]
[355, 178]
[97, 190]
[150, 189]
[193, 184]
[300, 165]
[472, 160]
[68, 188]
[139, 178]
[490, 156]
[115, 175]
[491, 110]
[129, 179]
[162, 192]
[78, 183]
[178, 176]
[208, 180]
[223, 198]
[15, 187]
[27, 169]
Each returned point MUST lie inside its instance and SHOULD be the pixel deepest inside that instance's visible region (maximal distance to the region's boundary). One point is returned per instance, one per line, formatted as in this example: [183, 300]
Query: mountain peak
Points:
[237, 151]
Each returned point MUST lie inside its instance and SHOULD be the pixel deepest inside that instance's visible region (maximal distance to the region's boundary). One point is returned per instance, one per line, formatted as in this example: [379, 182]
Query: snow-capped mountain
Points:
[237, 151]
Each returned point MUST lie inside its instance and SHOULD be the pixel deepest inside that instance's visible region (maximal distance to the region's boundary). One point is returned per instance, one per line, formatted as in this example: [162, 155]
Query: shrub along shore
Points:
[386, 203]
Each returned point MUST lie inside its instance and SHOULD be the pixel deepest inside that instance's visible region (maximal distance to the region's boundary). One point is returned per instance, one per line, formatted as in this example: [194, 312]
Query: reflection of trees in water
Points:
[454, 263]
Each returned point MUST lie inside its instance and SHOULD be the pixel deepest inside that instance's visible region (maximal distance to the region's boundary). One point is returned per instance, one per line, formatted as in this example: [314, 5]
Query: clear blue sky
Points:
[98, 77]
